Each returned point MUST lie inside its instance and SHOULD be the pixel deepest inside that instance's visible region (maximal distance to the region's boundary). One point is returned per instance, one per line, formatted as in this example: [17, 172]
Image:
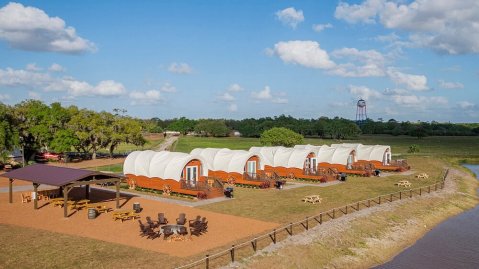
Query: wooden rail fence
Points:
[251, 246]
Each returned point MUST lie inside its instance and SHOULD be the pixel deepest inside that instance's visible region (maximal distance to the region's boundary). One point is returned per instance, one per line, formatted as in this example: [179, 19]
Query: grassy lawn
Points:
[31, 248]
[188, 143]
[286, 206]
[114, 168]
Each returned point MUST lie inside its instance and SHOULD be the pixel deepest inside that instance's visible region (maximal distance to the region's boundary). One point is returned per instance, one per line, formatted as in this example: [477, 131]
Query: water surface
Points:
[452, 244]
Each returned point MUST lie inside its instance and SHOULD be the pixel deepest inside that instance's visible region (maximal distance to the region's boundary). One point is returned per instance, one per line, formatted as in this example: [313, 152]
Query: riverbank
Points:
[373, 236]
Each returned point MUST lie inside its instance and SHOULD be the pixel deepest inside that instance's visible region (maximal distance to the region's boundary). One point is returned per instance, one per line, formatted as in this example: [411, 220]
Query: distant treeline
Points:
[337, 128]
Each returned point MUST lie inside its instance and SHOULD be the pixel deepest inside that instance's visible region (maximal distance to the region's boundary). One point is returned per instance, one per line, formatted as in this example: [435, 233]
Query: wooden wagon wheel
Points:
[231, 180]
[166, 190]
[131, 184]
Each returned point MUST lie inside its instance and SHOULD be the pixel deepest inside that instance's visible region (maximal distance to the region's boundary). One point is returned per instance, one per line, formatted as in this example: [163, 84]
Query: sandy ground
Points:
[222, 229]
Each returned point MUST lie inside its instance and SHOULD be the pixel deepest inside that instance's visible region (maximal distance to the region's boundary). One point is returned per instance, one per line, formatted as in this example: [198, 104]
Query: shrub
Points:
[414, 148]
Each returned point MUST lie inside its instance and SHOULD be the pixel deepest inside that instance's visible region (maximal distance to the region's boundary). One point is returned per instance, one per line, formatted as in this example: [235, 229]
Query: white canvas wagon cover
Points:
[226, 160]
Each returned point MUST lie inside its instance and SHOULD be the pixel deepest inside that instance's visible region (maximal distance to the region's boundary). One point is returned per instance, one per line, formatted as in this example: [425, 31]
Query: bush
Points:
[280, 136]
[413, 148]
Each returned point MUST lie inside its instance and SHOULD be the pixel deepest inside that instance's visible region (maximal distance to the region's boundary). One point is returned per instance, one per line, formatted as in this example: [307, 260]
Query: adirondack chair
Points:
[26, 197]
[153, 224]
[161, 219]
[167, 232]
[195, 222]
[183, 231]
[181, 220]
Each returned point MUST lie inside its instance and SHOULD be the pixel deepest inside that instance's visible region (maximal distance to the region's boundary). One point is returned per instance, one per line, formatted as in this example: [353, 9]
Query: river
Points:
[452, 244]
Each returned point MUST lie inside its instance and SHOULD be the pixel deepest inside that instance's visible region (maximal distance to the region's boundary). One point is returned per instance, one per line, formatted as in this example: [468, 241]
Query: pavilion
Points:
[64, 178]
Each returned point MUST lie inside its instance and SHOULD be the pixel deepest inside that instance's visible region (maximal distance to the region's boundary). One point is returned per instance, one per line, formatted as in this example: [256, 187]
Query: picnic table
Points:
[422, 175]
[80, 204]
[59, 202]
[125, 215]
[312, 199]
[404, 183]
[100, 208]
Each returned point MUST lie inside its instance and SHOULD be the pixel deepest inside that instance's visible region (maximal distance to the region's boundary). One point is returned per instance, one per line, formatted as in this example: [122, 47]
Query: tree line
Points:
[324, 127]
[33, 126]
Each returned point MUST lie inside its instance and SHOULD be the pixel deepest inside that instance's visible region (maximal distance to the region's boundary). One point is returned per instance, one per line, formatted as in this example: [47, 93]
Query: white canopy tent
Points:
[227, 160]
[267, 154]
[163, 164]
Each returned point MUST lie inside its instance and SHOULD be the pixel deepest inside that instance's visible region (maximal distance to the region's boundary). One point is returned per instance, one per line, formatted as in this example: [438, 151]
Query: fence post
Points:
[307, 223]
[291, 227]
[232, 251]
[391, 199]
[358, 206]
[420, 191]
[369, 202]
[274, 236]
[320, 218]
[400, 195]
[429, 189]
[442, 185]
[410, 193]
[379, 199]
[254, 243]
[346, 209]
[207, 261]
[334, 213]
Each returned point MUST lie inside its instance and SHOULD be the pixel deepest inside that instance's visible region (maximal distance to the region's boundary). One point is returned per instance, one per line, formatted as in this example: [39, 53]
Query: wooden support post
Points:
[87, 191]
[35, 200]
[10, 190]
[232, 252]
[207, 261]
[117, 186]
[66, 190]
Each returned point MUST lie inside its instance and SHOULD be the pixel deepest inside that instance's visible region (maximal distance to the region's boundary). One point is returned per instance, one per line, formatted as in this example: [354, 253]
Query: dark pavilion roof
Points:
[53, 175]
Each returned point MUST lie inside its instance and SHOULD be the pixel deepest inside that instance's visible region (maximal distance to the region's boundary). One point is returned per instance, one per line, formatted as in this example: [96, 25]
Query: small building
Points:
[234, 166]
[171, 172]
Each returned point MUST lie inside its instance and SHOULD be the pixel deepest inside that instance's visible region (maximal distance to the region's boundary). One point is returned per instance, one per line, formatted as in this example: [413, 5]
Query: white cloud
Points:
[279, 100]
[265, 94]
[227, 97]
[30, 28]
[4, 97]
[412, 82]
[450, 85]
[233, 107]
[305, 53]
[12, 77]
[465, 105]
[320, 27]
[390, 38]
[34, 95]
[365, 63]
[364, 12]
[180, 68]
[33, 67]
[395, 92]
[44, 81]
[290, 17]
[419, 101]
[56, 68]
[364, 92]
[145, 98]
[235, 88]
[167, 87]
[442, 25]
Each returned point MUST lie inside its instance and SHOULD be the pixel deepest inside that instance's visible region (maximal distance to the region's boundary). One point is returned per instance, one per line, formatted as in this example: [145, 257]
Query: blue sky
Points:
[410, 60]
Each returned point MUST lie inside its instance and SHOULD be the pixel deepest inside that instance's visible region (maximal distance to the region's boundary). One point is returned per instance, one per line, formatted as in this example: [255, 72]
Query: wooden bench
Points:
[422, 175]
[313, 199]
[404, 183]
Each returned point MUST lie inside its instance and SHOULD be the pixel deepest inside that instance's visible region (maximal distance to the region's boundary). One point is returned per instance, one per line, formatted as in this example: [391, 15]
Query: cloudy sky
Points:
[410, 60]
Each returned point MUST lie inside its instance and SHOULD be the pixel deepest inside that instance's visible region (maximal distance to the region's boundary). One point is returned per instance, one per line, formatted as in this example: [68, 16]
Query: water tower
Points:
[361, 114]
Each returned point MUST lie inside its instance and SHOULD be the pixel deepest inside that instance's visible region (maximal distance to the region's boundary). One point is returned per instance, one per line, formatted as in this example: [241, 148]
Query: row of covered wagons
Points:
[202, 172]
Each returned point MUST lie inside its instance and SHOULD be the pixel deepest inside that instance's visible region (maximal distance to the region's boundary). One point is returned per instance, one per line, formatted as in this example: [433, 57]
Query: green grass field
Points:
[444, 146]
